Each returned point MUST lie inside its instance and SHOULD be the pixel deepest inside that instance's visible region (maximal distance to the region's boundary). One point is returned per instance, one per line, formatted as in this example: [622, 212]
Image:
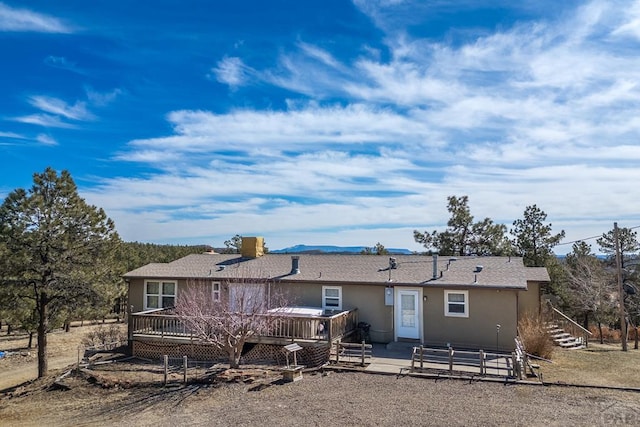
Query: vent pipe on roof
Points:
[435, 266]
[295, 264]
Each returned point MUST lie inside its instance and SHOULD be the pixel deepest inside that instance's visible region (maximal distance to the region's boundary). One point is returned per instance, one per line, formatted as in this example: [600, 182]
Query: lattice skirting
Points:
[313, 354]
[155, 350]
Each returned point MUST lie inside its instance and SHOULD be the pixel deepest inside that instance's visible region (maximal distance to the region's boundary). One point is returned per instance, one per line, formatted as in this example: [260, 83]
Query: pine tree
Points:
[58, 250]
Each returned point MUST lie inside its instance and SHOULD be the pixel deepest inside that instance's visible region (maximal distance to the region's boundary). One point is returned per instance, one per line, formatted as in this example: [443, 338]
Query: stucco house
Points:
[437, 301]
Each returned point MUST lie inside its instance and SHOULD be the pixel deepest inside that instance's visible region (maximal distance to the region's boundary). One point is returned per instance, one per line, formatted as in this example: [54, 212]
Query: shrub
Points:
[535, 337]
[609, 335]
[104, 335]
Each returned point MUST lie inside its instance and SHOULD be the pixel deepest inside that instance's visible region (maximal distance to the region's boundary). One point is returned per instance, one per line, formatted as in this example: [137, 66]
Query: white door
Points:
[408, 314]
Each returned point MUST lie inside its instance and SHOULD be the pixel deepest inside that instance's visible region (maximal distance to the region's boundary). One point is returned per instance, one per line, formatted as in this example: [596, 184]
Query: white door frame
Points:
[397, 312]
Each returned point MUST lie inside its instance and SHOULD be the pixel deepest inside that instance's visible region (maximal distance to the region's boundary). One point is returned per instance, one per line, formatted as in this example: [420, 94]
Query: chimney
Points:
[435, 266]
[295, 264]
[252, 247]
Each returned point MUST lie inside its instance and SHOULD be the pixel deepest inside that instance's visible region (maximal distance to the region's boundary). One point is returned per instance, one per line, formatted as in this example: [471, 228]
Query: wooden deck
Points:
[159, 324]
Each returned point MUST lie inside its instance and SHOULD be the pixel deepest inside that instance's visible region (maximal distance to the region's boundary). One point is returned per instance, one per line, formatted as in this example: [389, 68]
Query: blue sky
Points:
[328, 122]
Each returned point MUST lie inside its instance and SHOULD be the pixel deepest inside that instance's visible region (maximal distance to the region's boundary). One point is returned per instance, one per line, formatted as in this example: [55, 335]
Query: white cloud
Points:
[102, 99]
[630, 27]
[55, 113]
[77, 111]
[231, 71]
[46, 120]
[62, 63]
[148, 156]
[542, 112]
[321, 55]
[24, 20]
[46, 139]
[302, 129]
[12, 135]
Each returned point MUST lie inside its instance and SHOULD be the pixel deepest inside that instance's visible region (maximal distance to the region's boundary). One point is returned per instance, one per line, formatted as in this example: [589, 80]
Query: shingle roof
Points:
[501, 272]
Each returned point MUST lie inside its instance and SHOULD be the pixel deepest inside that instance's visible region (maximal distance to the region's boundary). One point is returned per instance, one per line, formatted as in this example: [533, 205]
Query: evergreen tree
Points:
[57, 249]
[627, 238]
[463, 236]
[378, 249]
[533, 239]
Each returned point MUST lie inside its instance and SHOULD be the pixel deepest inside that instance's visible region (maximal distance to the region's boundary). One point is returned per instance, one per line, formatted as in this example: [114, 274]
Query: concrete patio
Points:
[396, 359]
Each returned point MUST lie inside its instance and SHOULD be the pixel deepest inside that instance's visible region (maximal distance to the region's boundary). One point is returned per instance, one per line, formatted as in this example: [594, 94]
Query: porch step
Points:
[572, 347]
[564, 339]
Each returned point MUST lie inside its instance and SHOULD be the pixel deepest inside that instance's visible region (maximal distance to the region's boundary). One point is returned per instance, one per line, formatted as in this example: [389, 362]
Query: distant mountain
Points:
[326, 249]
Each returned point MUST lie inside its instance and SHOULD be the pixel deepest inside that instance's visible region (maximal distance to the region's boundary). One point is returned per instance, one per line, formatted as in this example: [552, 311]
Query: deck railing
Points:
[325, 328]
[569, 325]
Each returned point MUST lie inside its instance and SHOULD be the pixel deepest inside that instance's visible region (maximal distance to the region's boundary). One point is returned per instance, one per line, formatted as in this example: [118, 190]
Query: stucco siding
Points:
[136, 295]
[529, 300]
[486, 307]
[368, 299]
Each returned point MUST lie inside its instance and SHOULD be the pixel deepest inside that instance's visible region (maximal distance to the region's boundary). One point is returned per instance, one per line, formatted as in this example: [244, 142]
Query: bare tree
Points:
[228, 316]
[594, 288]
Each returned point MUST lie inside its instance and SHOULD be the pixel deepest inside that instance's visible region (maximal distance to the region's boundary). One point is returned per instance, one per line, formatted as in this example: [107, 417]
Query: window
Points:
[456, 303]
[215, 291]
[247, 297]
[159, 294]
[332, 298]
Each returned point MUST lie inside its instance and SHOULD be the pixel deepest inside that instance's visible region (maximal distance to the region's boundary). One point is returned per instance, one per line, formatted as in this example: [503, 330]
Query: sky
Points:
[328, 122]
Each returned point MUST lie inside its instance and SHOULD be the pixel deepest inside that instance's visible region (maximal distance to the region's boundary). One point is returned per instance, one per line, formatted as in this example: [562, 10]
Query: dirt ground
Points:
[20, 363]
[131, 392]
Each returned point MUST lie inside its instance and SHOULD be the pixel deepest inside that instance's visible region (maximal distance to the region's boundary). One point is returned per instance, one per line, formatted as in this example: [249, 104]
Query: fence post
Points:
[421, 356]
[362, 363]
[510, 371]
[481, 362]
[166, 368]
[451, 360]
[413, 358]
[184, 363]
[520, 367]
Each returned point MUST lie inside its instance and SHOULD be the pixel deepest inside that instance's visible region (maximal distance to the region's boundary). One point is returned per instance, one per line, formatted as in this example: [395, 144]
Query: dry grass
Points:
[535, 336]
[599, 364]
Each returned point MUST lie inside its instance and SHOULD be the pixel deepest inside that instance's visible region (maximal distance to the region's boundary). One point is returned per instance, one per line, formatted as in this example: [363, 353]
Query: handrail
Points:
[573, 322]
[155, 322]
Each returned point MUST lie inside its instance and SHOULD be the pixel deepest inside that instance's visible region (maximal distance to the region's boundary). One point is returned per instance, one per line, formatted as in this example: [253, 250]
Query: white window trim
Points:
[324, 297]
[160, 294]
[447, 313]
[215, 293]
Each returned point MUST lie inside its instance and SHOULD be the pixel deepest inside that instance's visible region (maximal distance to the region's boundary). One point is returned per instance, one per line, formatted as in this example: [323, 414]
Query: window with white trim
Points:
[215, 291]
[160, 294]
[456, 303]
[332, 297]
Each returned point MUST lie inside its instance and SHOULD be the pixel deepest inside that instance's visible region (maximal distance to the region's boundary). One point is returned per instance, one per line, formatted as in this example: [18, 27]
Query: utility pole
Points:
[623, 317]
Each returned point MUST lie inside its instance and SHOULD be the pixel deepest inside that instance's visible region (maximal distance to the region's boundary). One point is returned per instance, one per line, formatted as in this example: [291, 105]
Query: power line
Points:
[590, 238]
